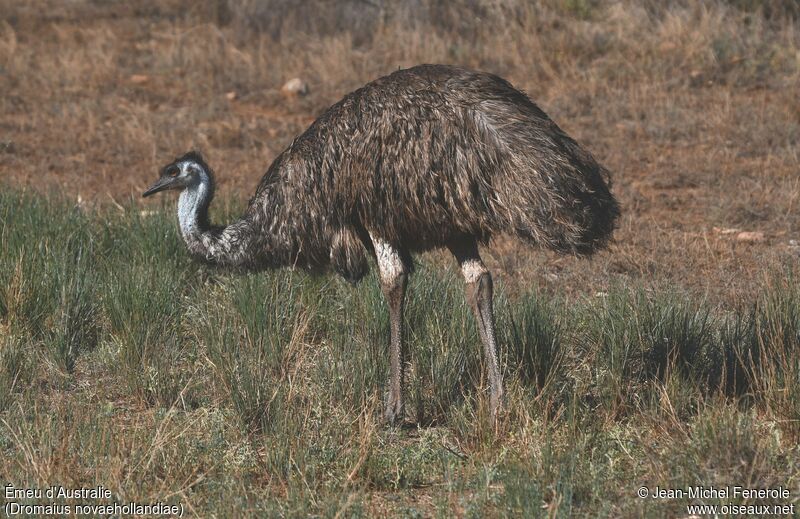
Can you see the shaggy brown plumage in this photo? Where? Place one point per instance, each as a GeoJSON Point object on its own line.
{"type": "Point", "coordinates": [431, 156]}
{"type": "Point", "coordinates": [421, 157]}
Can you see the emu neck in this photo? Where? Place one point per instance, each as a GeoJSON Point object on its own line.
{"type": "Point", "coordinates": [232, 245]}
{"type": "Point", "coordinates": [193, 209]}
{"type": "Point", "coordinates": [264, 237]}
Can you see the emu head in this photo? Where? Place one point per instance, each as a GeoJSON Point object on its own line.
{"type": "Point", "coordinates": [185, 172]}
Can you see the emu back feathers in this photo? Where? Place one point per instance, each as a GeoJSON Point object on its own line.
{"type": "Point", "coordinates": [425, 156]}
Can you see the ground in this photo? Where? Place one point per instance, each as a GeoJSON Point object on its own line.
{"type": "Point", "coordinates": [694, 109]}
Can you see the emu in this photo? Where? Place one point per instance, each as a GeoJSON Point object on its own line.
{"type": "Point", "coordinates": [428, 157]}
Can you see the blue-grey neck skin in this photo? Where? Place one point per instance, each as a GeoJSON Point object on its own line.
{"type": "Point", "coordinates": [193, 201]}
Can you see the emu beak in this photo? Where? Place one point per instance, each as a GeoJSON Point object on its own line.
{"type": "Point", "coordinates": [161, 184]}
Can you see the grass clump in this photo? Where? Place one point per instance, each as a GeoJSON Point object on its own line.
{"type": "Point", "coordinates": [253, 334]}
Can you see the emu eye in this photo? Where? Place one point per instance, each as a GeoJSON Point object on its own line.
{"type": "Point", "coordinates": [173, 171]}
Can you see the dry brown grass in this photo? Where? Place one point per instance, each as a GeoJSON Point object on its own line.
{"type": "Point", "coordinates": [694, 106]}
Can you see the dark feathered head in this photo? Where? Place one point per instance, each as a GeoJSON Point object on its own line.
{"type": "Point", "coordinates": [181, 173]}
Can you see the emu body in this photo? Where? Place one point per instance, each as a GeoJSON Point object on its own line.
{"type": "Point", "coordinates": [427, 157]}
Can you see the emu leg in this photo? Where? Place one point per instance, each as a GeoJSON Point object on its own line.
{"type": "Point", "coordinates": [479, 292]}
{"type": "Point", "coordinates": [394, 278]}
{"type": "Point", "coordinates": [395, 295]}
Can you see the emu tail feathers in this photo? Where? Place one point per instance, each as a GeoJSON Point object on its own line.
{"type": "Point", "coordinates": [563, 203]}
{"type": "Point", "coordinates": [548, 189]}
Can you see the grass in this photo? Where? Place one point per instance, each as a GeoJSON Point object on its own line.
{"type": "Point", "coordinates": [672, 360]}
{"type": "Point", "coordinates": [123, 363]}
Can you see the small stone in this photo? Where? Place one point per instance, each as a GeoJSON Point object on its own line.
{"type": "Point", "coordinates": [139, 78]}
{"type": "Point", "coordinates": [724, 230]}
{"type": "Point", "coordinates": [231, 96]}
{"type": "Point", "coordinates": [294, 87]}
{"type": "Point", "coordinates": [750, 236]}
{"type": "Point", "coordinates": [667, 46]}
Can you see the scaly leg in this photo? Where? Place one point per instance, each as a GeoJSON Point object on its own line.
{"type": "Point", "coordinates": [394, 277]}
{"type": "Point", "coordinates": [479, 296]}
